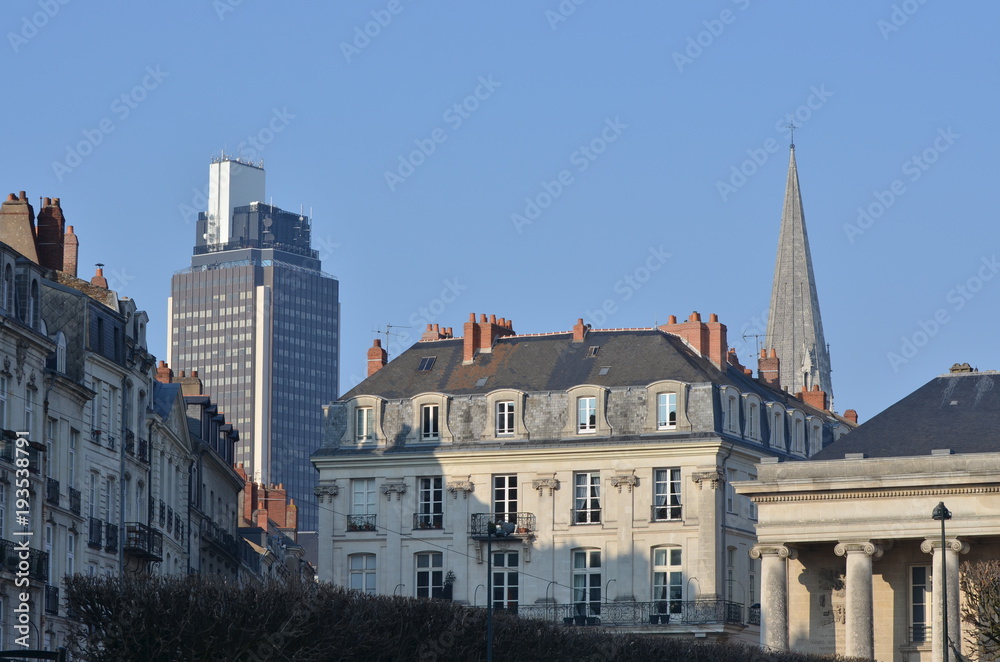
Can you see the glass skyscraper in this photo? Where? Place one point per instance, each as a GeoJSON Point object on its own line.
{"type": "Point", "coordinates": [259, 321]}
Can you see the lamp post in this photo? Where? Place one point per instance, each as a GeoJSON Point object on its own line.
{"type": "Point", "coordinates": [501, 531]}
{"type": "Point", "coordinates": [942, 513]}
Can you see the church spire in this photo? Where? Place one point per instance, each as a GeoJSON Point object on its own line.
{"type": "Point", "coordinates": [794, 326]}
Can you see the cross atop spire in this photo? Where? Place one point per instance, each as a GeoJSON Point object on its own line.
{"type": "Point", "coordinates": [794, 326]}
{"type": "Point", "coordinates": [791, 129]}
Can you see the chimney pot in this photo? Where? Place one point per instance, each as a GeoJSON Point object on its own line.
{"type": "Point", "coordinates": [22, 196]}
{"type": "Point", "coordinates": [482, 318]}
{"type": "Point", "coordinates": [672, 319]}
{"type": "Point", "coordinates": [713, 318]}
{"type": "Point", "coordinates": [851, 415]}
{"type": "Point", "coordinates": [493, 319]}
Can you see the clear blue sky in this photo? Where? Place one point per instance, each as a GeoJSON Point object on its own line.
{"type": "Point", "coordinates": [116, 107]}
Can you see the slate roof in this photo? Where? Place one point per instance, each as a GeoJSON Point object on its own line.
{"type": "Point", "coordinates": [553, 362]}
{"type": "Point", "coordinates": [959, 411]}
{"type": "Point", "coordinates": [164, 397]}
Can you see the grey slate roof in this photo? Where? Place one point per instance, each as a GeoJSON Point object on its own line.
{"type": "Point", "coordinates": [553, 362]}
{"type": "Point", "coordinates": [957, 411]}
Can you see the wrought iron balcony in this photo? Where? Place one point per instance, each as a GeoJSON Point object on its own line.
{"type": "Point", "coordinates": [111, 538]}
{"type": "Point", "coordinates": [524, 523]}
{"type": "Point", "coordinates": [361, 522]}
{"type": "Point", "coordinates": [7, 449]}
{"type": "Point", "coordinates": [665, 513]}
{"type": "Point", "coordinates": [38, 561]}
{"type": "Point", "coordinates": [178, 527]}
{"type": "Point", "coordinates": [52, 600]}
{"type": "Point", "coordinates": [660, 612]}
{"type": "Point", "coordinates": [96, 531]}
{"type": "Point", "coordinates": [143, 541]}
{"type": "Point", "coordinates": [428, 521]}
{"type": "Point", "coordinates": [143, 451]}
{"type": "Point", "coordinates": [111, 442]}
{"type": "Point", "coordinates": [215, 534]}
{"type": "Point", "coordinates": [129, 442]}
{"type": "Point", "coordinates": [52, 491]}
{"type": "Point", "coordinates": [753, 614]}
{"type": "Point", "coordinates": [74, 501]}
{"type": "Point", "coordinates": [95, 436]}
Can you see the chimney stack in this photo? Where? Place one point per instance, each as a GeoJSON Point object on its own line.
{"type": "Point", "coordinates": [377, 357]}
{"type": "Point", "coordinates": [708, 339]}
{"type": "Point", "coordinates": [814, 398]}
{"type": "Point", "coordinates": [768, 369]}
{"type": "Point", "coordinates": [99, 280]}
{"type": "Point", "coordinates": [164, 374]}
{"type": "Point", "coordinates": [71, 249]}
{"type": "Point", "coordinates": [17, 226]}
{"type": "Point", "coordinates": [50, 229]}
{"type": "Point", "coordinates": [851, 415]}
{"type": "Point", "coordinates": [580, 330]}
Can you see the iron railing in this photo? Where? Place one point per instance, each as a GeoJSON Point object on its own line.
{"type": "Point", "coordinates": [661, 612]}
{"type": "Point", "coordinates": [74, 501]}
{"type": "Point", "coordinates": [52, 600]}
{"type": "Point", "coordinates": [52, 491]}
{"type": "Point", "coordinates": [753, 615]}
{"type": "Point", "coordinates": [524, 523]}
{"type": "Point", "coordinates": [428, 521]}
{"type": "Point", "coordinates": [213, 533]}
{"type": "Point", "coordinates": [95, 536]}
{"type": "Point", "coordinates": [129, 442]}
{"type": "Point", "coordinates": [38, 561]}
{"type": "Point", "coordinates": [111, 538]}
{"type": "Point", "coordinates": [665, 513]}
{"type": "Point", "coordinates": [920, 633]}
{"type": "Point", "coordinates": [361, 522]}
{"type": "Point", "coordinates": [143, 450]}
{"type": "Point", "coordinates": [143, 541]}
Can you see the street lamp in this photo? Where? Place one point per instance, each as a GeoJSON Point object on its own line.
{"type": "Point", "coordinates": [502, 530]}
{"type": "Point", "coordinates": [942, 513]}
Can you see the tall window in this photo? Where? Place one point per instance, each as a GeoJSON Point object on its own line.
{"type": "Point", "coordinates": [587, 498]}
{"type": "Point", "coordinates": [731, 477]}
{"type": "Point", "coordinates": [751, 506]}
{"type": "Point", "coordinates": [752, 421]}
{"type": "Point", "coordinates": [430, 503]}
{"type": "Point", "coordinates": [8, 289]}
{"type": "Point", "coordinates": [730, 571]}
{"type": "Point", "coordinates": [48, 553]}
{"type": "Point", "coordinates": [586, 582]}
{"type": "Point", "coordinates": [429, 422]}
{"type": "Point", "coordinates": [505, 497]}
{"type": "Point", "coordinates": [362, 568]}
{"type": "Point", "coordinates": [505, 580]}
{"type": "Point", "coordinates": [799, 436]}
{"type": "Point", "coordinates": [430, 577]}
{"type": "Point", "coordinates": [3, 402]}
{"type": "Point", "coordinates": [668, 580]}
{"type": "Point", "coordinates": [50, 442]}
{"type": "Point", "coordinates": [364, 416]}
{"type": "Point", "coordinates": [74, 437]}
{"type": "Point", "coordinates": [29, 409]}
{"type": "Point", "coordinates": [586, 415]}
{"type": "Point", "coordinates": [110, 489]}
{"type": "Point", "coordinates": [666, 494]}
{"type": "Point", "coordinates": [94, 510]}
{"type": "Point", "coordinates": [3, 516]}
{"type": "Point", "coordinates": [363, 496]}
{"type": "Point", "coordinates": [920, 594]}
{"type": "Point", "coordinates": [732, 419]}
{"type": "Point", "coordinates": [666, 411]}
{"type": "Point", "coordinates": [505, 418]}
{"type": "Point", "coordinates": [778, 431]}
{"type": "Point", "coordinates": [70, 553]}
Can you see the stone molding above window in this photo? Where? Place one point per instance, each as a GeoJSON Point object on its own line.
{"type": "Point", "coordinates": [377, 405]}
{"type": "Point", "coordinates": [650, 425]}
{"type": "Point", "coordinates": [505, 395]}
{"type": "Point", "coordinates": [600, 394]}
{"type": "Point", "coordinates": [415, 435]}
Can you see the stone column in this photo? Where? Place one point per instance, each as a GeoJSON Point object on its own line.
{"type": "Point", "coordinates": [709, 506]}
{"type": "Point", "coordinates": [774, 594]}
{"type": "Point", "coordinates": [859, 610]}
{"type": "Point", "coordinates": [953, 548]}
{"type": "Point", "coordinates": [325, 492]}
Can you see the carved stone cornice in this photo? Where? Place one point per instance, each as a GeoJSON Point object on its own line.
{"type": "Point", "coordinates": [854, 546]}
{"type": "Point", "coordinates": [326, 492]}
{"type": "Point", "coordinates": [783, 551]}
{"type": "Point", "coordinates": [890, 494]}
{"type": "Point", "coordinates": [621, 480]}
{"type": "Point", "coordinates": [463, 486]}
{"type": "Point", "coordinates": [714, 478]}
{"type": "Point", "coordinates": [952, 544]}
{"type": "Point", "coordinates": [551, 484]}
{"type": "Point", "coordinates": [399, 487]}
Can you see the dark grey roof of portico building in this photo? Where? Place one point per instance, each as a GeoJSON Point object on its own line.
{"type": "Point", "coordinates": [958, 411]}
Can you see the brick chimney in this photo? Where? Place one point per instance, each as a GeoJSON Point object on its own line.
{"type": "Point", "coordinates": [164, 374]}
{"type": "Point", "coordinates": [51, 226]}
{"type": "Point", "coordinates": [814, 398]}
{"type": "Point", "coordinates": [767, 369]}
{"type": "Point", "coordinates": [481, 336]}
{"type": "Point", "coordinates": [99, 280]}
{"type": "Point", "coordinates": [190, 384]}
{"type": "Point", "coordinates": [708, 339]}
{"type": "Point", "coordinates": [17, 225]}
{"type": "Point", "coordinates": [71, 249]}
{"type": "Point", "coordinates": [435, 332]}
{"type": "Point", "coordinates": [851, 415]}
{"type": "Point", "coordinates": [580, 330]}
{"type": "Point", "coordinates": [377, 357]}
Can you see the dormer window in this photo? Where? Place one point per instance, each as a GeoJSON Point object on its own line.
{"type": "Point", "coordinates": [429, 430]}
{"type": "Point", "coordinates": [364, 417]}
{"type": "Point", "coordinates": [586, 415]}
{"type": "Point", "coordinates": [666, 411]}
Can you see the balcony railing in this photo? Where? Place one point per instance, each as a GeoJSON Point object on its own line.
{"type": "Point", "coordinates": [920, 634]}
{"type": "Point", "coordinates": [95, 536]}
{"type": "Point", "coordinates": [95, 436]}
{"type": "Point", "coordinates": [143, 541]}
{"type": "Point", "coordinates": [111, 442]}
{"type": "Point", "coordinates": [361, 522]}
{"type": "Point", "coordinates": [665, 513]}
{"type": "Point", "coordinates": [753, 615]}
{"type": "Point", "coordinates": [74, 501]}
{"type": "Point", "coordinates": [7, 449]}
{"type": "Point", "coordinates": [38, 561]}
{"type": "Point", "coordinates": [129, 442]}
{"type": "Point", "coordinates": [428, 521]}
{"type": "Point", "coordinates": [693, 612]}
{"type": "Point", "coordinates": [143, 450]}
{"type": "Point", "coordinates": [52, 600]}
{"type": "Point", "coordinates": [524, 523]}
{"type": "Point", "coordinates": [178, 527]}
{"type": "Point", "coordinates": [52, 491]}
{"type": "Point", "coordinates": [215, 534]}
{"type": "Point", "coordinates": [111, 538]}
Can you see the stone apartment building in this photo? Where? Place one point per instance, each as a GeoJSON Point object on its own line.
{"type": "Point", "coordinates": [611, 454]}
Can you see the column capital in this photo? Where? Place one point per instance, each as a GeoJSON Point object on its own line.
{"type": "Point", "coordinates": [782, 551]}
{"type": "Point", "coordinates": [929, 545]}
{"type": "Point", "coordinates": [714, 478]}
{"type": "Point", "coordinates": [856, 546]}
{"type": "Point", "coordinates": [326, 492]}
{"type": "Point", "coordinates": [550, 484]}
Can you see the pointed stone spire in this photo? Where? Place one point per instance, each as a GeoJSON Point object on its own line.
{"type": "Point", "coordinates": [794, 325]}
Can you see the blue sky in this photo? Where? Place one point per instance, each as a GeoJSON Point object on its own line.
{"type": "Point", "coordinates": [422, 135]}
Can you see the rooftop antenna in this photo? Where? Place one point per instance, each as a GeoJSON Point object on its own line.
{"type": "Point", "coordinates": [791, 127]}
{"type": "Point", "coordinates": [388, 332]}
{"type": "Point", "coordinates": [756, 336]}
